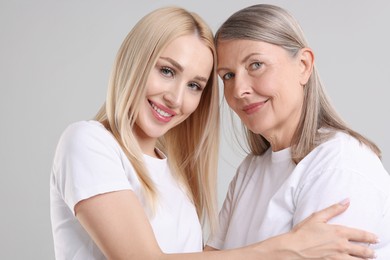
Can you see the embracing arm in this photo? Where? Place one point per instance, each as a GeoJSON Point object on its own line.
{"type": "Point", "coordinates": [314, 239]}
{"type": "Point", "coordinates": [117, 223]}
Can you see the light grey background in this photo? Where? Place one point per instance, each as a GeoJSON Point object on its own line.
{"type": "Point", "coordinates": [55, 59]}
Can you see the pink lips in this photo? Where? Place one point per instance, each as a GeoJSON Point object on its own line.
{"type": "Point", "coordinates": [252, 108]}
{"type": "Point", "coordinates": [161, 113]}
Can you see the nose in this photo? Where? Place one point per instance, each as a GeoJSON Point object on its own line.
{"type": "Point", "coordinates": [241, 85]}
{"type": "Point", "coordinates": [174, 96]}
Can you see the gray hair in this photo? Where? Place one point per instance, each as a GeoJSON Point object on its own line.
{"type": "Point", "coordinates": [274, 25]}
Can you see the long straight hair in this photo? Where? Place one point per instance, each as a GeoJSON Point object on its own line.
{"type": "Point", "coordinates": [274, 25]}
{"type": "Point", "coordinates": [192, 146]}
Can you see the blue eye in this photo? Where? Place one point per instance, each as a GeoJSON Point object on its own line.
{"type": "Point", "coordinates": [255, 65]}
{"type": "Point", "coordinates": [168, 72]}
{"type": "Point", "coordinates": [195, 86]}
{"type": "Point", "coordinates": [227, 76]}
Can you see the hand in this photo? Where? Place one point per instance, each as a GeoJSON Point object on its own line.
{"type": "Point", "coordinates": [314, 239]}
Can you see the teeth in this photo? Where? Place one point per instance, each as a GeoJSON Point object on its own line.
{"type": "Point", "coordinates": [161, 112]}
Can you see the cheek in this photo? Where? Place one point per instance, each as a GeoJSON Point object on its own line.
{"type": "Point", "coordinates": [228, 95]}
{"type": "Point", "coordinates": [291, 101]}
{"type": "Point", "coordinates": [191, 104]}
{"type": "Point", "coordinates": [231, 101]}
{"type": "Point", "coordinates": [154, 84]}
{"type": "Point", "coordinates": [266, 84]}
{"type": "Point", "coordinates": [149, 87]}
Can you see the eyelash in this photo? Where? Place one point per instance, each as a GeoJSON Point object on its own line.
{"type": "Point", "coordinates": [258, 65]}
{"type": "Point", "coordinates": [229, 74]}
{"type": "Point", "coordinates": [196, 85]}
{"type": "Point", "coordinates": [192, 85]}
{"type": "Point", "coordinates": [164, 71]}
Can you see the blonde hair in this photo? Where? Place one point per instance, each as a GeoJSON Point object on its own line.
{"type": "Point", "coordinates": [192, 146]}
{"type": "Point", "coordinates": [274, 25]}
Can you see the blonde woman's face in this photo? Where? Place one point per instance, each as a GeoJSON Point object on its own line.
{"type": "Point", "coordinates": [262, 84]}
{"type": "Point", "coordinates": [174, 86]}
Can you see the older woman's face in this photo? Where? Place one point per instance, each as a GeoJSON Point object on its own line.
{"type": "Point", "coordinates": [263, 84]}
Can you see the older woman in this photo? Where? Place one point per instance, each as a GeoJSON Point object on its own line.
{"type": "Point", "coordinates": [303, 156]}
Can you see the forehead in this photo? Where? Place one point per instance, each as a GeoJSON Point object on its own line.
{"type": "Point", "coordinates": [185, 43]}
{"type": "Point", "coordinates": [191, 53]}
{"type": "Point", "coordinates": [239, 49]}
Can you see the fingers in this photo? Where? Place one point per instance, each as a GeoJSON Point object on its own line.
{"type": "Point", "coordinates": [361, 252]}
{"type": "Point", "coordinates": [351, 234]}
{"type": "Point", "coordinates": [356, 235]}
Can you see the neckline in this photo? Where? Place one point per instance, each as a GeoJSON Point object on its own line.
{"type": "Point", "coordinates": [281, 155]}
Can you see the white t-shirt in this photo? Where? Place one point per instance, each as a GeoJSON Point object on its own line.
{"type": "Point", "coordinates": [88, 162]}
{"type": "Point", "coordinates": [270, 194]}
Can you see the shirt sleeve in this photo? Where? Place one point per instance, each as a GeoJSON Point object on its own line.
{"type": "Point", "coordinates": [88, 162]}
{"type": "Point", "coordinates": [369, 209]}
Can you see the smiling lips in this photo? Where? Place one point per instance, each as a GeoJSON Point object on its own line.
{"type": "Point", "coordinates": [252, 108]}
{"type": "Point", "coordinates": [162, 114]}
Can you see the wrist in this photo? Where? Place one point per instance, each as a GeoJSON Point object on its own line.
{"type": "Point", "coordinates": [280, 248]}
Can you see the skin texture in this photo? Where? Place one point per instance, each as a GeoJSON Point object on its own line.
{"type": "Point", "coordinates": [175, 86]}
{"type": "Point", "coordinates": [264, 85]}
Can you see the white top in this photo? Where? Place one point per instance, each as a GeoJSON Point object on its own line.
{"type": "Point", "coordinates": [270, 194]}
{"type": "Point", "coordinates": [89, 161]}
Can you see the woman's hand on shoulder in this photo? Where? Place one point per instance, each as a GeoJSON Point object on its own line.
{"type": "Point", "coordinates": [313, 238]}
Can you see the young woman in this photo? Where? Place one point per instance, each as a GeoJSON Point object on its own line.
{"type": "Point", "coordinates": [135, 182]}
{"type": "Point", "coordinates": [303, 156]}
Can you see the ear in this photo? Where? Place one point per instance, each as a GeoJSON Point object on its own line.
{"type": "Point", "coordinates": [306, 64]}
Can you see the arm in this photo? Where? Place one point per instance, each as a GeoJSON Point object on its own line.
{"type": "Point", "coordinates": [117, 223]}
{"type": "Point", "coordinates": [303, 242]}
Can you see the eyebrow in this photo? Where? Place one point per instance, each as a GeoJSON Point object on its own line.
{"type": "Point", "coordinates": [201, 79]}
{"type": "Point", "coordinates": [181, 69]}
{"type": "Point", "coordinates": [174, 63]}
{"type": "Point", "coordinates": [245, 59]}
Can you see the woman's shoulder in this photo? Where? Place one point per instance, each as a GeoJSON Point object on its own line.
{"type": "Point", "coordinates": [84, 127]}
{"type": "Point", "coordinates": [343, 157]}
{"type": "Point", "coordinates": [82, 130]}
{"type": "Point", "coordinates": [342, 143]}
{"type": "Point", "coordinates": [342, 150]}
{"type": "Point", "coordinates": [85, 134]}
